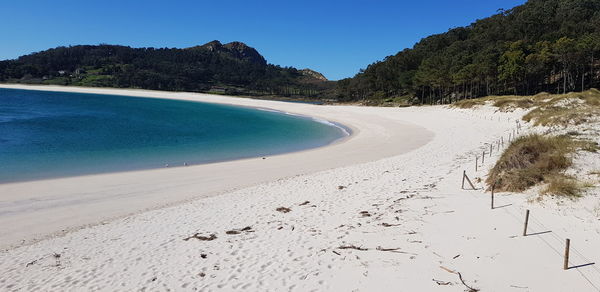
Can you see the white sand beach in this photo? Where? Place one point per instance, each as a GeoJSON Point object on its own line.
{"type": "Point", "coordinates": [382, 210]}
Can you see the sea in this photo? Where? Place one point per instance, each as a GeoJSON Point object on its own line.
{"type": "Point", "coordinates": [45, 134]}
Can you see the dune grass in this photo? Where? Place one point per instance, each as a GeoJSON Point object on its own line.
{"type": "Point", "coordinates": [535, 159]}
{"type": "Point", "coordinates": [504, 102]}
{"type": "Point", "coordinates": [563, 185]}
{"type": "Point", "coordinates": [573, 108]}
{"type": "Point", "coordinates": [469, 103]}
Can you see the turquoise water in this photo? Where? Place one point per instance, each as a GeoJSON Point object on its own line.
{"type": "Point", "coordinates": [54, 134]}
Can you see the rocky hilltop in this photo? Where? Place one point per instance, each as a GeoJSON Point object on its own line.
{"type": "Point", "coordinates": [233, 68]}
{"type": "Point", "coordinates": [237, 50]}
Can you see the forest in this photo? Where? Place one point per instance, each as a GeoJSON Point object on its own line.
{"type": "Point", "coordinates": [541, 46]}
{"type": "Point", "coordinates": [232, 68]}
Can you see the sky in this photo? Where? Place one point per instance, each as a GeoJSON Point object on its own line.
{"type": "Point", "coordinates": [336, 38]}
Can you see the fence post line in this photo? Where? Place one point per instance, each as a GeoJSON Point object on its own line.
{"type": "Point", "coordinates": [476, 162]}
{"type": "Point", "coordinates": [526, 222]}
{"type": "Point", "coordinates": [463, 179]}
{"type": "Point", "coordinates": [491, 148]}
{"type": "Point", "coordinates": [483, 158]}
{"type": "Point", "coordinates": [566, 262]}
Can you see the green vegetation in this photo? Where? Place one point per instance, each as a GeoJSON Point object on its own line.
{"type": "Point", "coordinates": [232, 68]}
{"type": "Point", "coordinates": [540, 46]}
{"type": "Point", "coordinates": [573, 108]}
{"type": "Point", "coordinates": [566, 109]}
{"type": "Point", "coordinates": [505, 102]}
{"type": "Point", "coordinates": [535, 159]}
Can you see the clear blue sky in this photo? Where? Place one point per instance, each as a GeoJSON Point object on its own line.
{"type": "Point", "coordinates": [336, 38]}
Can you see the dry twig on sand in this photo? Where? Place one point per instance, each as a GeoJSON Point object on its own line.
{"type": "Point", "coordinates": [442, 283]}
{"type": "Point", "coordinates": [352, 247]}
{"type": "Point", "coordinates": [238, 231]}
{"type": "Point", "coordinates": [389, 225]}
{"type": "Point", "coordinates": [200, 237]}
{"type": "Point", "coordinates": [396, 250]}
{"type": "Point", "coordinates": [470, 289]}
{"type": "Point", "coordinates": [283, 209]}
{"type": "Point", "coordinates": [365, 213]}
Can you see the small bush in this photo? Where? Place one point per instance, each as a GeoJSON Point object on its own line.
{"type": "Point", "coordinates": [468, 103]}
{"type": "Point", "coordinates": [562, 185]}
{"type": "Point", "coordinates": [509, 103]}
{"type": "Point", "coordinates": [530, 160]}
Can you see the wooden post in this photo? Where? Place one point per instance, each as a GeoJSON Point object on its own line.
{"type": "Point", "coordinates": [463, 180]}
{"type": "Point", "coordinates": [566, 263]}
{"type": "Point", "coordinates": [491, 148]}
{"type": "Point", "coordinates": [493, 188]}
{"type": "Point", "coordinates": [526, 222]}
{"type": "Point", "coordinates": [469, 181]}
{"type": "Point", "coordinates": [483, 158]}
{"type": "Point", "coordinates": [502, 140]}
{"type": "Point", "coordinates": [476, 162]}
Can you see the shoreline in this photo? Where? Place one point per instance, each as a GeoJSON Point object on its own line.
{"type": "Point", "coordinates": [345, 133]}
{"type": "Point", "coordinates": [401, 221]}
{"type": "Point", "coordinates": [35, 210]}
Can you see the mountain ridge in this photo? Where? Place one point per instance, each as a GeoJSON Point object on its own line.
{"type": "Point", "coordinates": [232, 68]}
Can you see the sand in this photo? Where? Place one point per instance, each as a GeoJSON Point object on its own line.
{"type": "Point", "coordinates": [381, 211]}
{"type": "Point", "coordinates": [32, 210]}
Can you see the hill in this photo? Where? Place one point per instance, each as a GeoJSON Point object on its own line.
{"type": "Point", "coordinates": [232, 68]}
{"type": "Point", "coordinates": [542, 45]}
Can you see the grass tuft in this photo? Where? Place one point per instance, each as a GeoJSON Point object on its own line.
{"type": "Point", "coordinates": [469, 103]}
{"type": "Point", "coordinates": [531, 160]}
{"type": "Point", "coordinates": [562, 185]}
{"type": "Point", "coordinates": [573, 108]}
{"type": "Point", "coordinates": [508, 103]}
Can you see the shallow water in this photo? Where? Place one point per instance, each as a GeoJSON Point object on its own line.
{"type": "Point", "coordinates": [54, 134]}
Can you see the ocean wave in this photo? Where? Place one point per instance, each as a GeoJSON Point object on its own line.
{"type": "Point", "coordinates": [345, 130]}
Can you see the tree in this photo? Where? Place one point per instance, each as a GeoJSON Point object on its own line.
{"type": "Point", "coordinates": [512, 64]}
{"type": "Point", "coordinates": [564, 48]}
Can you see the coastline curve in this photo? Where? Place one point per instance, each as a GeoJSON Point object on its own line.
{"type": "Point", "coordinates": [34, 210]}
